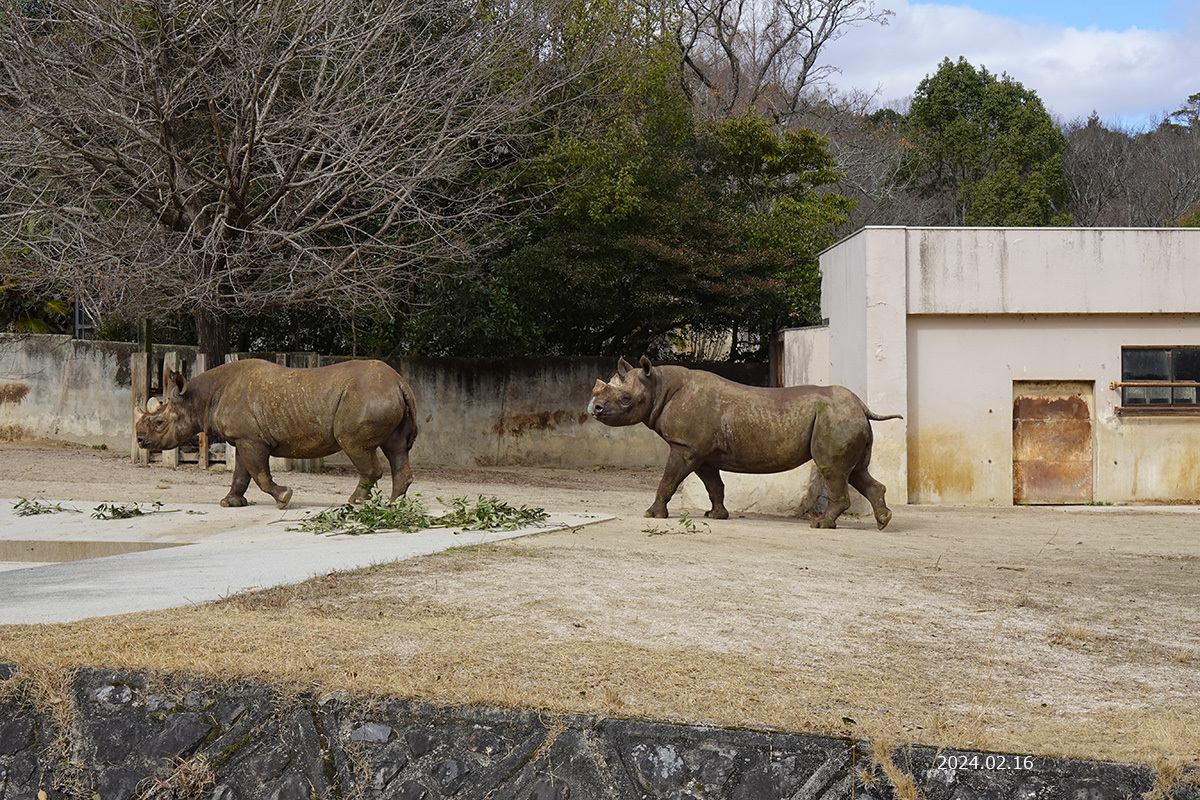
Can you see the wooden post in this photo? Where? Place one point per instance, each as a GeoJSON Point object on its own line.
{"type": "Point", "coordinates": [230, 450]}
{"type": "Point", "coordinates": [282, 464]}
{"type": "Point", "coordinates": [307, 360]}
{"type": "Point", "coordinates": [139, 373]}
{"type": "Point", "coordinates": [202, 459]}
{"type": "Point", "coordinates": [170, 458]}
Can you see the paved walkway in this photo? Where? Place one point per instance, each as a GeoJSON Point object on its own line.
{"type": "Point", "coordinates": [69, 566]}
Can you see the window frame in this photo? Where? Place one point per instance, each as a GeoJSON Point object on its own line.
{"type": "Point", "coordinates": [1170, 408]}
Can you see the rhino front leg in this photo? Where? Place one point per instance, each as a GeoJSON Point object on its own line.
{"type": "Point", "coordinates": [679, 465]}
{"type": "Point", "coordinates": [716, 490]}
{"type": "Point", "coordinates": [241, 480]}
{"type": "Point", "coordinates": [257, 462]}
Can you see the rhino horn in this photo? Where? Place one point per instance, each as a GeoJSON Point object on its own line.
{"type": "Point", "coordinates": [599, 386]}
{"type": "Point", "coordinates": [152, 405]}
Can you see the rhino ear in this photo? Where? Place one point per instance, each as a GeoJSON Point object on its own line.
{"type": "Point", "coordinates": [646, 366]}
{"type": "Point", "coordinates": [179, 381]}
{"type": "Point", "coordinates": [623, 368]}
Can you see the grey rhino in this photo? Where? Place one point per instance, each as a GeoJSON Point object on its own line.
{"type": "Point", "coordinates": [714, 424]}
{"type": "Point", "coordinates": [264, 409]}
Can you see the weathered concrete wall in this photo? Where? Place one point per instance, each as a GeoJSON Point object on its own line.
{"type": "Point", "coordinates": [960, 425]}
{"type": "Point", "coordinates": [940, 323]}
{"type": "Point", "coordinates": [56, 387]}
{"type": "Point", "coordinates": [126, 735]}
{"type": "Point", "coordinates": [1048, 270]}
{"type": "Point", "coordinates": [477, 412]}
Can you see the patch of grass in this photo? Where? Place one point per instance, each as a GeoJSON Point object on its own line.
{"type": "Point", "coordinates": [408, 515]}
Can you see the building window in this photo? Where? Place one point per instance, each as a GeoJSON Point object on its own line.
{"type": "Point", "coordinates": [1160, 379]}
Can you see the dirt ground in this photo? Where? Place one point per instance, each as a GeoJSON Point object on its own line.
{"type": "Point", "coordinates": [1049, 631]}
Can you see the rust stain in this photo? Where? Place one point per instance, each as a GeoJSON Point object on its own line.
{"type": "Point", "coordinates": [940, 468]}
{"type": "Point", "coordinates": [12, 433]}
{"type": "Point", "coordinates": [13, 392]}
{"type": "Point", "coordinates": [520, 424]}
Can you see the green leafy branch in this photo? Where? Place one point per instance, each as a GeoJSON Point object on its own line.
{"type": "Point", "coordinates": [408, 515]}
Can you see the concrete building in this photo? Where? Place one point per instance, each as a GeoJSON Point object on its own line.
{"type": "Point", "coordinates": [1033, 365]}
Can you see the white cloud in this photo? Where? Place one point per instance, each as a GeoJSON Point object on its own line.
{"type": "Point", "coordinates": [1129, 77]}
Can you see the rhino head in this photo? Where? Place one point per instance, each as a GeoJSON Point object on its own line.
{"type": "Point", "coordinates": [167, 423]}
{"type": "Point", "coordinates": [627, 398]}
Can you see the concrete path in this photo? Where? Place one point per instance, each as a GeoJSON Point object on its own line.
{"type": "Point", "coordinates": [69, 566]}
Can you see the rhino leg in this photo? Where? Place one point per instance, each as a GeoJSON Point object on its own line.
{"type": "Point", "coordinates": [871, 489]}
{"type": "Point", "coordinates": [256, 460]}
{"type": "Point", "coordinates": [716, 490]}
{"type": "Point", "coordinates": [680, 464]}
{"type": "Point", "coordinates": [369, 472]}
{"type": "Point", "coordinates": [839, 497]}
{"type": "Point", "coordinates": [396, 448]}
{"type": "Point", "coordinates": [241, 481]}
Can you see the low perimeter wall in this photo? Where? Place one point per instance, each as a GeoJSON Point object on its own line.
{"type": "Point", "coordinates": [118, 736]}
{"type": "Point", "coordinates": [472, 412]}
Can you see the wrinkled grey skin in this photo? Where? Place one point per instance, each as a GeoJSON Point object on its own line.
{"type": "Point", "coordinates": [266, 410]}
{"type": "Point", "coordinates": [714, 424]}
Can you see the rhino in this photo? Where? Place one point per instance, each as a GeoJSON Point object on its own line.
{"type": "Point", "coordinates": [264, 409]}
{"type": "Point", "coordinates": [714, 424]}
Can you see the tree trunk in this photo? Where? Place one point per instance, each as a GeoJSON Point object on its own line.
{"type": "Point", "coordinates": [212, 332]}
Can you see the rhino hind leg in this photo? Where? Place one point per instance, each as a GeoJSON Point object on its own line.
{"type": "Point", "coordinates": [369, 472]}
{"type": "Point", "coordinates": [395, 449]}
{"type": "Point", "coordinates": [711, 476]}
{"type": "Point", "coordinates": [873, 490]}
{"type": "Point", "coordinates": [839, 499]}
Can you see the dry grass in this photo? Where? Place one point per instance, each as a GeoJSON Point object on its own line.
{"type": "Point", "coordinates": [1021, 630]}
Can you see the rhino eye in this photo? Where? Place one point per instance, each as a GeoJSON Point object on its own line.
{"type": "Point", "coordinates": [626, 398]}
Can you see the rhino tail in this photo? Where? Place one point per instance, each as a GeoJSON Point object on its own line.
{"type": "Point", "coordinates": [410, 403]}
{"type": "Point", "coordinates": [878, 418]}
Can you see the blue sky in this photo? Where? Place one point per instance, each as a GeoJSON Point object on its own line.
{"type": "Point", "coordinates": [1131, 61]}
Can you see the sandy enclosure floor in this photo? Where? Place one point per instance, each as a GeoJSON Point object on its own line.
{"type": "Point", "coordinates": [1040, 630]}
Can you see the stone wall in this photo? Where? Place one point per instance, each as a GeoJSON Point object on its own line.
{"type": "Point", "coordinates": [118, 736]}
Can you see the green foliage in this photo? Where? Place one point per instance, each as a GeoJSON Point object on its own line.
{"type": "Point", "coordinates": [124, 510]}
{"type": "Point", "coordinates": [32, 508]}
{"type": "Point", "coordinates": [21, 313]}
{"type": "Point", "coordinates": [408, 515]}
{"type": "Point", "coordinates": [656, 225]}
{"type": "Point", "coordinates": [987, 144]}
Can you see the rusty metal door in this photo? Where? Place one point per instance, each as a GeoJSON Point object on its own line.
{"type": "Point", "coordinates": [1052, 442]}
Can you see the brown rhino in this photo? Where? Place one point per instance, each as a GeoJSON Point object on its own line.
{"type": "Point", "coordinates": [265, 410]}
{"type": "Point", "coordinates": [714, 424]}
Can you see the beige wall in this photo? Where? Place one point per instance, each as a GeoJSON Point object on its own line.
{"type": "Point", "coordinates": [938, 324]}
{"type": "Point", "coordinates": [960, 427]}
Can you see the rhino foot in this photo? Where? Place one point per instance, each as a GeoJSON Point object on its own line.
{"type": "Point", "coordinates": [233, 501]}
{"type": "Point", "coordinates": [284, 497]}
{"type": "Point", "coordinates": [824, 522]}
{"type": "Point", "coordinates": [717, 513]}
{"type": "Point", "coordinates": [656, 513]}
{"type": "Point", "coordinates": [883, 518]}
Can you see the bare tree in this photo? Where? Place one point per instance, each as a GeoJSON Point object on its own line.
{"type": "Point", "coordinates": [743, 54]}
{"type": "Point", "coordinates": [231, 156]}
